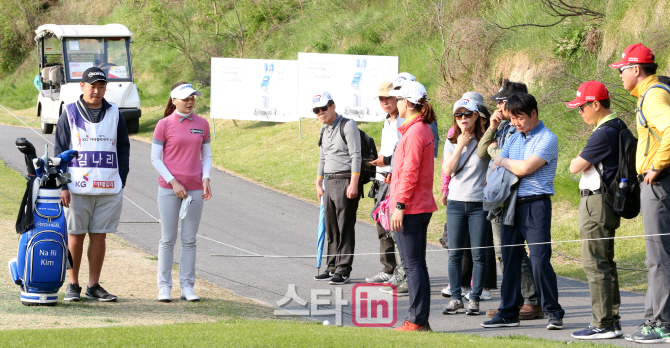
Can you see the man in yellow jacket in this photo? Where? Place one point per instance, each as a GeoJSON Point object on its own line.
{"type": "Point", "coordinates": [638, 74]}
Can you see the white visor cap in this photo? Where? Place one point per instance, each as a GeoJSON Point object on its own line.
{"type": "Point", "coordinates": [412, 91]}
{"type": "Point", "coordinates": [184, 91]}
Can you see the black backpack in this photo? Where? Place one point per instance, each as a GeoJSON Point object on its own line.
{"type": "Point", "coordinates": [626, 170]}
{"type": "Point", "coordinates": [368, 153]}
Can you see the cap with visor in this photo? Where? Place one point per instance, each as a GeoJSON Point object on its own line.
{"type": "Point", "coordinates": [184, 91]}
{"type": "Point", "coordinates": [402, 78]}
{"type": "Point", "coordinates": [321, 100]}
{"type": "Point", "coordinates": [634, 54]}
{"type": "Point", "coordinates": [383, 89]}
{"type": "Point", "coordinates": [588, 92]}
{"type": "Point", "coordinates": [469, 104]}
{"type": "Point", "coordinates": [412, 91]}
{"type": "Point", "coordinates": [92, 75]}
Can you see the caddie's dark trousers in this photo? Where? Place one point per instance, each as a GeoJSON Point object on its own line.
{"type": "Point", "coordinates": [386, 244]}
{"type": "Point", "coordinates": [340, 219]}
{"type": "Point", "coordinates": [532, 223]}
{"type": "Point", "coordinates": [411, 243]}
{"type": "Point", "coordinates": [656, 217]}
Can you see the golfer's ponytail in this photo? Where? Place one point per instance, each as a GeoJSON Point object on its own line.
{"type": "Point", "coordinates": [169, 109]}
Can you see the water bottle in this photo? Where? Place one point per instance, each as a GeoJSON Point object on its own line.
{"type": "Point", "coordinates": [620, 197]}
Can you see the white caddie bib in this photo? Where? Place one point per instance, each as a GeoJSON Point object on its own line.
{"type": "Point", "coordinates": [96, 170]}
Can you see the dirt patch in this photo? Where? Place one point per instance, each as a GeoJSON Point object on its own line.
{"type": "Point", "coordinates": [130, 274]}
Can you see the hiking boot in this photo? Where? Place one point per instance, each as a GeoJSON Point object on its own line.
{"type": "Point", "coordinates": [381, 277]}
{"type": "Point", "coordinates": [472, 308]}
{"type": "Point", "coordinates": [96, 292]}
{"type": "Point", "coordinates": [642, 330]}
{"type": "Point", "coordinates": [530, 312]}
{"type": "Point", "coordinates": [497, 321]}
{"type": "Point", "coordinates": [72, 293]}
{"type": "Point", "coordinates": [617, 329]}
{"type": "Point", "coordinates": [659, 334]}
{"type": "Point", "coordinates": [326, 276]}
{"type": "Point", "coordinates": [594, 333]}
{"type": "Point", "coordinates": [339, 279]}
{"type": "Point", "coordinates": [407, 326]}
{"type": "Point", "coordinates": [491, 313]}
{"type": "Point", "coordinates": [555, 324]}
{"type": "Point", "coordinates": [164, 294]}
{"type": "Point", "coordinates": [189, 295]}
{"type": "Point", "coordinates": [454, 307]}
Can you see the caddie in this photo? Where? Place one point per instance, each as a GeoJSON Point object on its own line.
{"type": "Point", "coordinates": [94, 198]}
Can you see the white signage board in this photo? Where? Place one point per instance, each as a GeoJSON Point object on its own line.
{"type": "Point", "coordinates": [254, 89]}
{"type": "Point", "coordinates": [352, 81]}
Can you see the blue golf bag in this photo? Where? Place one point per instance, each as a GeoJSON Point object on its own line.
{"type": "Point", "coordinates": [43, 258]}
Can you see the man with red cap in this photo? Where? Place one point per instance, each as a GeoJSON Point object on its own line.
{"type": "Point", "coordinates": [638, 74]}
{"type": "Point", "coordinates": [597, 218]}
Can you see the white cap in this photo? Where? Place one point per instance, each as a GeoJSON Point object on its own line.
{"type": "Point", "coordinates": [322, 99]}
{"type": "Point", "coordinates": [467, 103]}
{"type": "Point", "coordinates": [478, 98]}
{"type": "Point", "coordinates": [184, 91]}
{"type": "Point", "coordinates": [412, 91]}
{"type": "Point", "coordinates": [403, 77]}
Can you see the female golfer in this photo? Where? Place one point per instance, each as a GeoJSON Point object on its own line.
{"type": "Point", "coordinates": [181, 154]}
{"type": "Point", "coordinates": [412, 199]}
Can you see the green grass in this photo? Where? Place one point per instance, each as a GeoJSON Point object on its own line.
{"type": "Point", "coordinates": [256, 333]}
{"type": "Point", "coordinates": [11, 191]}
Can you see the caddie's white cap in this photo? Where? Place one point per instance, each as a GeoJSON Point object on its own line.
{"type": "Point", "coordinates": [184, 91]}
{"type": "Point", "coordinates": [478, 98]}
{"type": "Point", "coordinates": [403, 77]}
{"type": "Point", "coordinates": [322, 99]}
{"type": "Point", "coordinates": [467, 103]}
{"type": "Point", "coordinates": [412, 91]}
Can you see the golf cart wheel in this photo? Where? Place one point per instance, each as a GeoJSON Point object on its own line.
{"type": "Point", "coordinates": [133, 126]}
{"type": "Point", "coordinates": [47, 128]}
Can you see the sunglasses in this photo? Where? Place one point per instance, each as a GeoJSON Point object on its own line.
{"type": "Point", "coordinates": [501, 101]}
{"type": "Point", "coordinates": [467, 114]}
{"type": "Point", "coordinates": [316, 110]}
{"type": "Point", "coordinates": [581, 107]}
{"type": "Point", "coordinates": [621, 69]}
{"type": "Point", "coordinates": [399, 98]}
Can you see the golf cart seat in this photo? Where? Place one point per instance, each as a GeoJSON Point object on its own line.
{"type": "Point", "coordinates": [45, 75]}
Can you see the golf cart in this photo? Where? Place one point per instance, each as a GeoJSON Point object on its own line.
{"type": "Point", "coordinates": [64, 52]}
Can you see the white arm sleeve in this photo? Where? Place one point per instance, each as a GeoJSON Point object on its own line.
{"type": "Point", "coordinates": [157, 162]}
{"type": "Point", "coordinates": [206, 159]}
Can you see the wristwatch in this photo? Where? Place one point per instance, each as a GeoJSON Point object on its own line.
{"type": "Point", "coordinates": [400, 206]}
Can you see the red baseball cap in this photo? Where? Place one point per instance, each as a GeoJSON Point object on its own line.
{"type": "Point", "coordinates": [589, 91]}
{"type": "Point", "coordinates": [634, 54]}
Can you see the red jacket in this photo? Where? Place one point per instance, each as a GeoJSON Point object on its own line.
{"type": "Point", "coordinates": [414, 168]}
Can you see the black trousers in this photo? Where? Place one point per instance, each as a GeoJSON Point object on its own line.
{"type": "Point", "coordinates": [340, 219]}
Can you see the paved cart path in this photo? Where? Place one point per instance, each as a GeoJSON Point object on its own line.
{"type": "Point", "coordinates": [243, 218]}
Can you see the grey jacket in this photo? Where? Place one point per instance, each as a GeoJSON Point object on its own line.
{"type": "Point", "coordinates": [500, 195]}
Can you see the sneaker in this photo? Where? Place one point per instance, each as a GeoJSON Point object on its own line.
{"type": "Point", "coordinates": [454, 307]}
{"type": "Point", "coordinates": [407, 326]}
{"type": "Point", "coordinates": [72, 292]}
{"type": "Point", "coordinates": [530, 312]}
{"type": "Point", "coordinates": [401, 290]}
{"type": "Point", "coordinates": [659, 334]}
{"type": "Point", "coordinates": [642, 330]}
{"type": "Point", "coordinates": [326, 275]}
{"type": "Point", "coordinates": [446, 292]}
{"type": "Point", "coordinates": [338, 279]}
{"type": "Point", "coordinates": [555, 324]}
{"type": "Point", "coordinates": [98, 293]}
{"type": "Point", "coordinates": [497, 321]}
{"type": "Point", "coordinates": [391, 280]}
{"type": "Point", "coordinates": [472, 308]}
{"type": "Point", "coordinates": [485, 296]}
{"type": "Point", "coordinates": [381, 277]}
{"type": "Point", "coordinates": [617, 329]}
{"type": "Point", "coordinates": [593, 333]}
{"type": "Point", "coordinates": [164, 294]}
{"type": "Point", "coordinates": [189, 295]}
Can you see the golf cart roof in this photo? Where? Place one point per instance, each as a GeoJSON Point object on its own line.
{"type": "Point", "coordinates": [64, 31]}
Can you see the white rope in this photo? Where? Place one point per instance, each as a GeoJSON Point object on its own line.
{"type": "Point", "coordinates": [52, 144]}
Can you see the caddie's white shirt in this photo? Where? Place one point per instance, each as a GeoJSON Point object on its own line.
{"type": "Point", "coordinates": [96, 170]}
{"type": "Point", "coordinates": [389, 141]}
{"type": "Point", "coordinates": [590, 179]}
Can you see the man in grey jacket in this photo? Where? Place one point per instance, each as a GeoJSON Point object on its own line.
{"type": "Point", "coordinates": [340, 165]}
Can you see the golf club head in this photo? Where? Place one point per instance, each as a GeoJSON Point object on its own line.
{"type": "Point", "coordinates": [38, 167]}
{"type": "Point", "coordinates": [28, 150]}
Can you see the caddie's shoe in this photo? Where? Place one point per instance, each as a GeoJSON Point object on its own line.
{"type": "Point", "coordinates": [407, 326]}
{"type": "Point", "coordinates": [485, 296]}
{"type": "Point", "coordinates": [472, 308]}
{"type": "Point", "coordinates": [530, 312]}
{"type": "Point", "coordinates": [72, 292]}
{"type": "Point", "coordinates": [642, 330]}
{"type": "Point", "coordinates": [164, 294]}
{"type": "Point", "coordinates": [594, 333]}
{"type": "Point", "coordinates": [381, 277]}
{"type": "Point", "coordinates": [339, 279]}
{"type": "Point", "coordinates": [454, 306]}
{"type": "Point", "coordinates": [326, 276]}
{"type": "Point", "coordinates": [189, 295]}
{"type": "Point", "coordinates": [617, 328]}
{"type": "Point", "coordinates": [497, 321]}
{"type": "Point", "coordinates": [555, 324]}
{"type": "Point", "coordinates": [96, 292]}
{"type": "Point", "coordinates": [659, 334]}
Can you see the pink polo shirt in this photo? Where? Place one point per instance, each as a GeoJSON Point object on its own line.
{"type": "Point", "coordinates": [182, 149]}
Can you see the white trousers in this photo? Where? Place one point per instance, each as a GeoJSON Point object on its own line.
{"type": "Point", "coordinates": [168, 206]}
